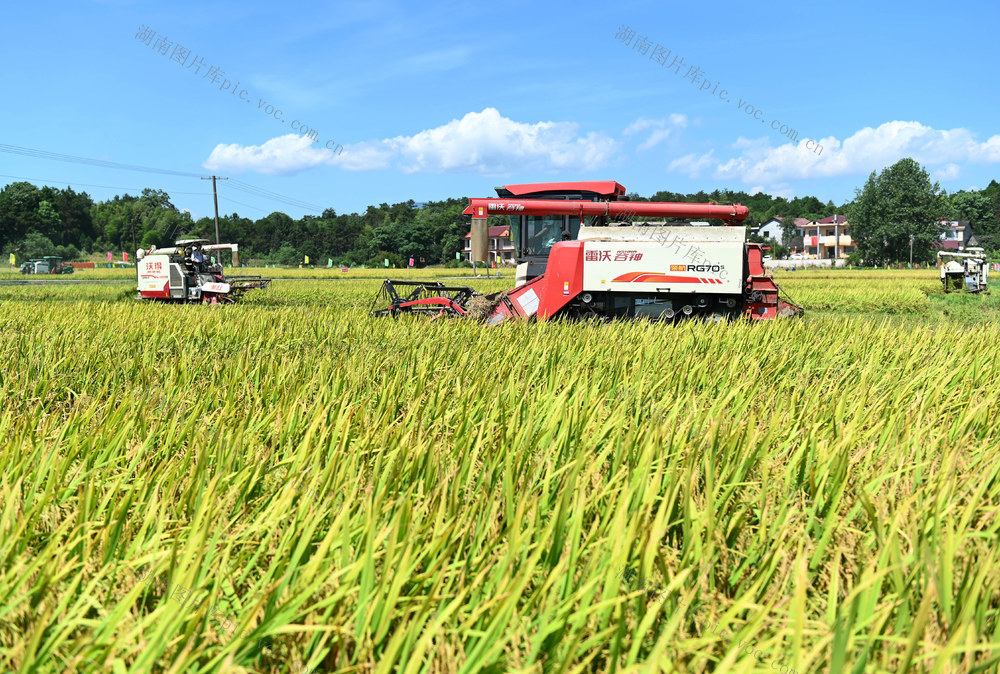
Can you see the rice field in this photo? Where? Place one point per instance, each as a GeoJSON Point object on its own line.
{"type": "Point", "coordinates": [128, 274]}
{"type": "Point", "coordinates": [290, 485]}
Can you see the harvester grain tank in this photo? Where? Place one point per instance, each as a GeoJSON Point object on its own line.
{"type": "Point", "coordinates": [579, 254]}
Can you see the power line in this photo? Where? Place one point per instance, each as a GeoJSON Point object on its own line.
{"type": "Point", "coordinates": [251, 189]}
{"type": "Point", "coordinates": [235, 184]}
{"type": "Point", "coordinates": [247, 205]}
{"type": "Point", "coordinates": [287, 201]}
{"type": "Point", "coordinates": [70, 183]}
{"type": "Point", "coordinates": [72, 159]}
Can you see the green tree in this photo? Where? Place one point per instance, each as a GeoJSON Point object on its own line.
{"type": "Point", "coordinates": [893, 207]}
{"type": "Point", "coordinates": [47, 218]}
{"type": "Point", "coordinates": [979, 209]}
{"type": "Point", "coordinates": [18, 211]}
{"type": "Point", "coordinates": [36, 244]}
{"type": "Point", "coordinates": [972, 206]}
{"type": "Point", "coordinates": [788, 229]}
{"type": "Point", "coordinates": [778, 249]}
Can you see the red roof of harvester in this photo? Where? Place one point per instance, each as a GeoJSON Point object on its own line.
{"type": "Point", "coordinates": [602, 187]}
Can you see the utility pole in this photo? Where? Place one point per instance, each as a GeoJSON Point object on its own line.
{"type": "Point", "coordinates": [135, 250]}
{"type": "Point", "coordinates": [215, 196]}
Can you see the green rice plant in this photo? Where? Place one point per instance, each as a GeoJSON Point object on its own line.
{"type": "Point", "coordinates": [405, 495]}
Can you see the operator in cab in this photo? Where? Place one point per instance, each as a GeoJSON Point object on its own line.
{"type": "Point", "coordinates": [198, 258]}
{"type": "Point", "coordinates": [543, 239]}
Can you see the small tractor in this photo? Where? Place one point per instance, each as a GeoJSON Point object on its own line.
{"type": "Point", "coordinates": [579, 254]}
{"type": "Point", "coordinates": [181, 274]}
{"type": "Point", "coordinates": [50, 264]}
{"type": "Point", "coordinates": [968, 270]}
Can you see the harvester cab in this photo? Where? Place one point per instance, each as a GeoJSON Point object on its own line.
{"type": "Point", "coordinates": [968, 270]}
{"type": "Point", "coordinates": [580, 254]}
{"type": "Point", "coordinates": [184, 273]}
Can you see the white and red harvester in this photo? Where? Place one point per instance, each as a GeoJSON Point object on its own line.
{"type": "Point", "coordinates": [177, 275]}
{"type": "Point", "coordinates": [579, 255]}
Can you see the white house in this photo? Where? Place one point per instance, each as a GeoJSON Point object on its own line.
{"type": "Point", "coordinates": [772, 228]}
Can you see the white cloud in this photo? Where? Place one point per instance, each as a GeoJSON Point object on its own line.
{"type": "Point", "coordinates": [490, 144]}
{"type": "Point", "coordinates": [641, 124]}
{"type": "Point", "coordinates": [366, 157]}
{"type": "Point", "coordinates": [283, 155]}
{"type": "Point", "coordinates": [869, 149]}
{"type": "Point", "coordinates": [781, 190]}
{"type": "Point", "coordinates": [662, 127]}
{"type": "Point", "coordinates": [654, 138]}
{"type": "Point", "coordinates": [946, 172]}
{"type": "Point", "coordinates": [481, 142]}
{"type": "Point", "coordinates": [691, 164]}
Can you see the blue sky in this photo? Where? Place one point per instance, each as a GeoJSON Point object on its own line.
{"type": "Point", "coordinates": [445, 99]}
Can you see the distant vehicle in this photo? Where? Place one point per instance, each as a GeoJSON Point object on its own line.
{"type": "Point", "coordinates": [798, 256]}
{"type": "Point", "coordinates": [50, 264]}
{"type": "Point", "coordinates": [966, 271]}
{"type": "Point", "coordinates": [768, 258]}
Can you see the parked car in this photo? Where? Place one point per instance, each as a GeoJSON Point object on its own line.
{"type": "Point", "coordinates": [798, 256]}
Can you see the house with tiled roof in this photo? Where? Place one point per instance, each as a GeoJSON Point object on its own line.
{"type": "Point", "coordinates": [955, 235]}
{"type": "Point", "coordinates": [827, 238]}
{"type": "Point", "coordinates": [500, 248]}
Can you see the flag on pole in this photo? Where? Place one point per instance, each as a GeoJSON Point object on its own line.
{"type": "Point", "coordinates": [458, 256]}
{"type": "Point", "coordinates": [386, 260]}
{"type": "Point", "coordinates": [125, 257]}
{"type": "Point", "coordinates": [13, 260]}
{"type": "Point", "coordinates": [307, 259]}
{"type": "Point", "coordinates": [411, 261]}
{"type": "Point", "coordinates": [329, 262]}
{"type": "Point", "coordinates": [109, 257]}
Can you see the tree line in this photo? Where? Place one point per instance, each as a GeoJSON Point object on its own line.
{"type": "Point", "coordinates": [899, 209]}
{"type": "Point", "coordinates": [38, 221]}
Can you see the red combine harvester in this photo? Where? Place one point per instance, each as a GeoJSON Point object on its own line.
{"type": "Point", "coordinates": [580, 255]}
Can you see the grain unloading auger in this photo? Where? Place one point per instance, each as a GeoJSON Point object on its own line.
{"type": "Point", "coordinates": [579, 255]}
